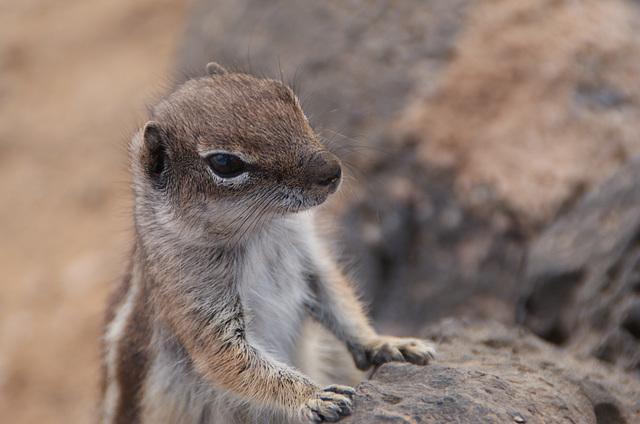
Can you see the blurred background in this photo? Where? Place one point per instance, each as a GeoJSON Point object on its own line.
{"type": "Point", "coordinates": [467, 127]}
{"type": "Point", "coordinates": [75, 79]}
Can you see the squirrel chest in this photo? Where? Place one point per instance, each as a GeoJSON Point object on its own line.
{"type": "Point", "coordinates": [274, 288]}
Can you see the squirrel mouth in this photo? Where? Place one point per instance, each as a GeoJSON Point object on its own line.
{"type": "Point", "coordinates": [299, 201]}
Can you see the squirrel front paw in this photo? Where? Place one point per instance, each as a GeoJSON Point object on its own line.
{"type": "Point", "coordinates": [388, 349]}
{"type": "Point", "coordinates": [328, 404]}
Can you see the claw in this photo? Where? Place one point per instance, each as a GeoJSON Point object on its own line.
{"type": "Point", "coordinates": [389, 349]}
{"type": "Point", "coordinates": [342, 390]}
{"type": "Point", "coordinates": [329, 404]}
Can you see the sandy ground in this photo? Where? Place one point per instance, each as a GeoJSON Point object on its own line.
{"type": "Point", "coordinates": [75, 79]}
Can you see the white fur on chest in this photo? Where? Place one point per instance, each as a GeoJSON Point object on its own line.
{"type": "Point", "coordinates": [272, 286]}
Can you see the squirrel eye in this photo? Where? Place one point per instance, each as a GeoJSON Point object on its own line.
{"type": "Point", "coordinates": [225, 165]}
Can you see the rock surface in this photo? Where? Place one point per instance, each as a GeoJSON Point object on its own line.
{"type": "Point", "coordinates": [488, 373]}
{"type": "Point", "coordinates": [582, 274]}
{"type": "Point", "coordinates": [539, 102]}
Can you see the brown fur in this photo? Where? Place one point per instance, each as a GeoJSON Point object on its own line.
{"type": "Point", "coordinates": [209, 325]}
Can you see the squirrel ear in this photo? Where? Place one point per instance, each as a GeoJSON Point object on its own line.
{"type": "Point", "coordinates": [155, 155]}
{"type": "Point", "coordinates": [214, 69]}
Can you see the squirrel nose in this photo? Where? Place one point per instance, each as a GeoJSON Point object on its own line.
{"type": "Point", "coordinates": [328, 170]}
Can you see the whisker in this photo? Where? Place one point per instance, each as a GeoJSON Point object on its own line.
{"type": "Point", "coordinates": [245, 217]}
{"type": "Point", "coordinates": [248, 223]}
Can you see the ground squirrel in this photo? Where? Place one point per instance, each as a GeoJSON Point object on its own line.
{"type": "Point", "coordinates": [213, 322]}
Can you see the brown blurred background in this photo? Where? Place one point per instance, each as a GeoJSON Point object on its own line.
{"type": "Point", "coordinates": [481, 122]}
{"type": "Point", "coordinates": [75, 79]}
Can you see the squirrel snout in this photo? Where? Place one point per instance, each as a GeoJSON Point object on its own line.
{"type": "Point", "coordinates": [327, 170]}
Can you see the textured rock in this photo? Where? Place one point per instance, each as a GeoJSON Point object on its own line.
{"type": "Point", "coordinates": [582, 274]}
{"type": "Point", "coordinates": [487, 373]}
{"type": "Point", "coordinates": [539, 103]}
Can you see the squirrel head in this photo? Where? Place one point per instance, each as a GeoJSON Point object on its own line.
{"type": "Point", "coordinates": [225, 151]}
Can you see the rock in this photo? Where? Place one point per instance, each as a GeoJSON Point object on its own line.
{"type": "Point", "coordinates": [432, 256]}
{"type": "Point", "coordinates": [582, 274]}
{"type": "Point", "coordinates": [488, 373]}
{"type": "Point", "coordinates": [535, 119]}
